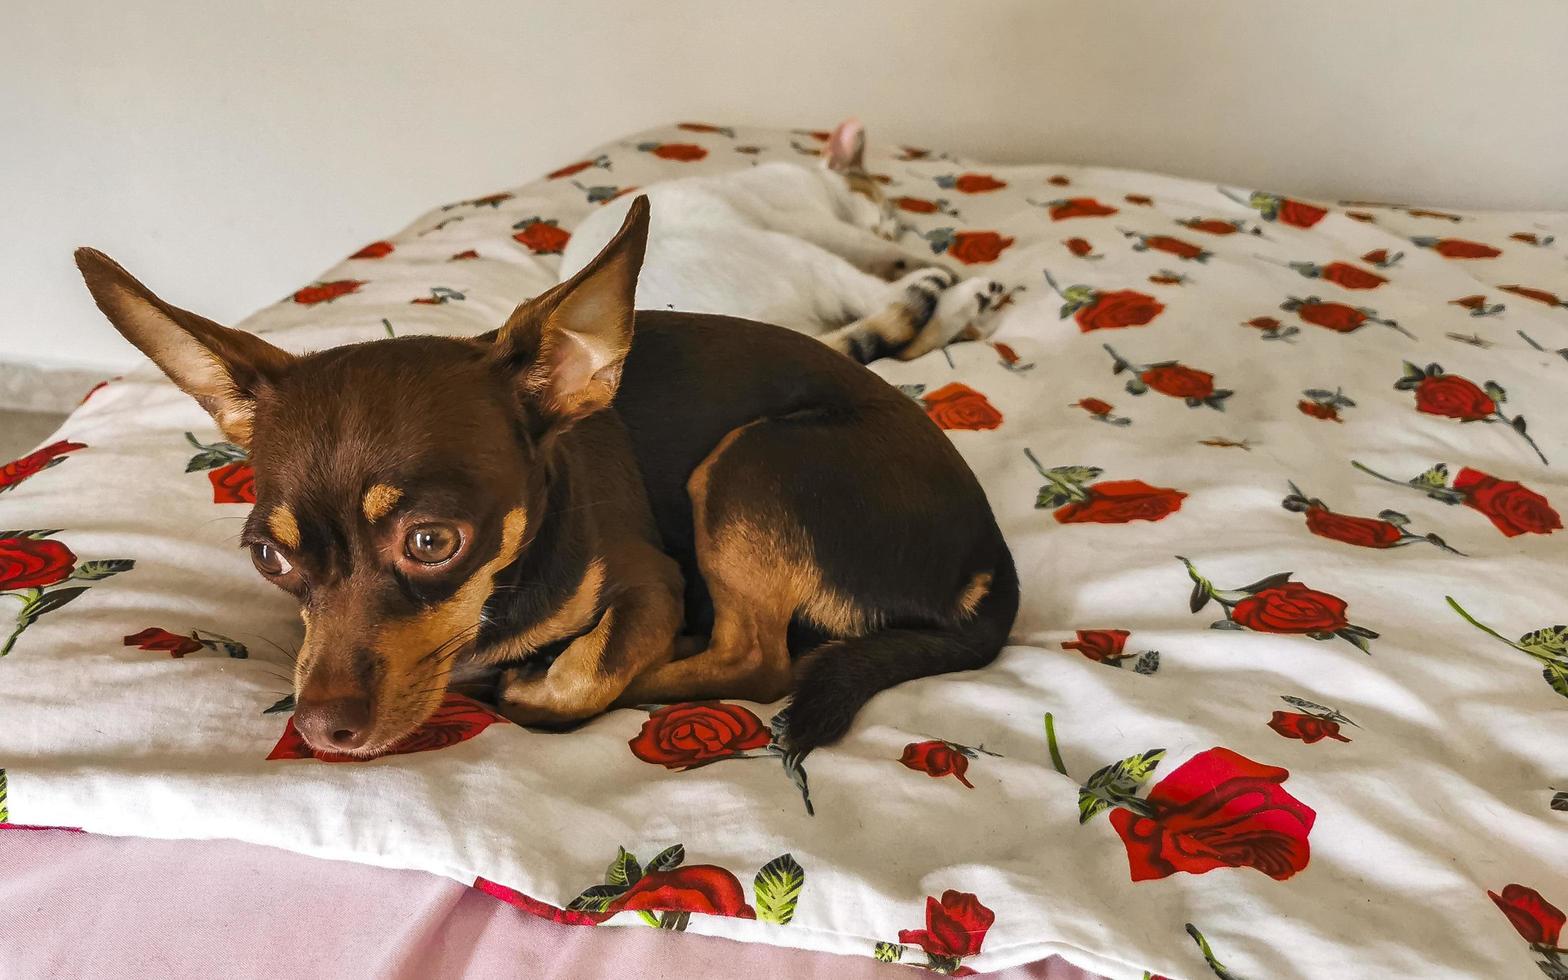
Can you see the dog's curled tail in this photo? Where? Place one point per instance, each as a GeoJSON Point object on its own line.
{"type": "Point", "coordinates": [834, 681]}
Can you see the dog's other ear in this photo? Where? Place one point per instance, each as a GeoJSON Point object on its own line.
{"type": "Point", "coordinates": [566, 346]}
{"type": "Point", "coordinates": [222, 368]}
{"type": "Point", "coordinates": [846, 147]}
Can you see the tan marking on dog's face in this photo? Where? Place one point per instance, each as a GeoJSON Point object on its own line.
{"type": "Point", "coordinates": [379, 501]}
{"type": "Point", "coordinates": [284, 527]}
{"type": "Point", "coordinates": [977, 589]}
{"type": "Point", "coordinates": [417, 653]}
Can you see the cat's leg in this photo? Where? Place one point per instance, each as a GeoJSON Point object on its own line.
{"type": "Point", "coordinates": [861, 248]}
{"type": "Point", "coordinates": [902, 315]}
{"type": "Point", "coordinates": [967, 311]}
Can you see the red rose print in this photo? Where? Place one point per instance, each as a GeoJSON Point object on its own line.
{"type": "Point", "coordinates": [1390, 529]}
{"type": "Point", "coordinates": [1458, 248]}
{"type": "Point", "coordinates": [153, 638]}
{"type": "Point", "coordinates": [1538, 921]}
{"type": "Point", "coordinates": [533, 906]}
{"type": "Point", "coordinates": [1212, 226]}
{"type": "Point", "coordinates": [1299, 214]}
{"type": "Point", "coordinates": [1290, 608]}
{"type": "Point", "coordinates": [1380, 258]}
{"type": "Point", "coordinates": [1263, 323]}
{"type": "Point", "coordinates": [1360, 216]}
{"type": "Point", "coordinates": [682, 736]}
{"type": "Point", "coordinates": [569, 170]}
{"type": "Point", "coordinates": [234, 483]}
{"type": "Point", "coordinates": [691, 127]}
{"type": "Point", "coordinates": [36, 462]}
{"type": "Point", "coordinates": [917, 205]}
{"type": "Point", "coordinates": [975, 183]}
{"type": "Point", "coordinates": [681, 152]}
{"type": "Point", "coordinates": [1079, 207]}
{"type": "Point", "coordinates": [1425, 213]}
{"type": "Point", "coordinates": [1539, 295]}
{"type": "Point", "coordinates": [1512, 508]}
{"type": "Point", "coordinates": [1470, 302]}
{"type": "Point", "coordinates": [1167, 278]}
{"type": "Point", "coordinates": [1307, 728]}
{"type": "Point", "coordinates": [1453, 397]}
{"type": "Point", "coordinates": [1179, 381]}
{"type": "Point", "coordinates": [1142, 200]}
{"type": "Point", "coordinates": [973, 247]}
{"type": "Point", "coordinates": [326, 292]}
{"type": "Point", "coordinates": [957, 406]}
{"type": "Point", "coordinates": [464, 255]}
{"type": "Point", "coordinates": [695, 888]}
{"type": "Point", "coordinates": [33, 563]}
{"type": "Point", "coordinates": [458, 719]}
{"type": "Point", "coordinates": [1174, 246]}
{"type": "Point", "coordinates": [1335, 316]}
{"type": "Point", "coordinates": [1121, 501]}
{"type": "Point", "coordinates": [955, 926]}
{"type": "Point", "coordinates": [543, 237]}
{"type": "Point", "coordinates": [1171, 378]}
{"type": "Point", "coordinates": [1079, 247]}
{"type": "Point", "coordinates": [1319, 410]}
{"type": "Point", "coordinates": [1101, 646]}
{"type": "Point", "coordinates": [1118, 308]}
{"type": "Point", "coordinates": [1350, 277]}
{"type": "Point", "coordinates": [1530, 238]}
{"type": "Point", "coordinates": [1365, 532]}
{"type": "Point", "coordinates": [1058, 181]}
{"type": "Point", "coordinates": [1009, 357]}
{"type": "Point", "coordinates": [1456, 397]}
{"type": "Point", "coordinates": [1218, 810]}
{"type": "Point", "coordinates": [936, 758]}
{"type": "Point", "coordinates": [1095, 406]}
{"type": "Point", "coordinates": [375, 250]}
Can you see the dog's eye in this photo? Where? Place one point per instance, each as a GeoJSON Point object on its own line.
{"type": "Point", "coordinates": [269, 561]}
{"type": "Point", "coordinates": [432, 544]}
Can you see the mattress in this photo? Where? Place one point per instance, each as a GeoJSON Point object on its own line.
{"type": "Point", "coordinates": [1286, 693]}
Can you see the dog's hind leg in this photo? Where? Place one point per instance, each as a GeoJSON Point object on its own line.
{"type": "Point", "coordinates": [810, 517]}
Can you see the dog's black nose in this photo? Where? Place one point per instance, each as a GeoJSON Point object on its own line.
{"type": "Point", "coordinates": [341, 724]}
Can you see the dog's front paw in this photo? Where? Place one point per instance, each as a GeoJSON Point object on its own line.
{"type": "Point", "coordinates": [524, 697]}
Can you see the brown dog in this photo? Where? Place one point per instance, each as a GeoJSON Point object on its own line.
{"type": "Point", "coordinates": [446, 507]}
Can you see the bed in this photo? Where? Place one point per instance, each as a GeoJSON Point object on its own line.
{"type": "Point", "coordinates": [1286, 696]}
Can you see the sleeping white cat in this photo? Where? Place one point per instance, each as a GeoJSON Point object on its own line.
{"type": "Point", "coordinates": [811, 248]}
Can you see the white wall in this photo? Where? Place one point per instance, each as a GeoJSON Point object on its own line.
{"type": "Point", "coordinates": [228, 151]}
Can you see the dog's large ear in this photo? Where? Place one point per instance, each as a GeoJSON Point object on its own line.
{"type": "Point", "coordinates": [565, 347]}
{"type": "Point", "coordinates": [846, 147]}
{"type": "Point", "coordinates": [222, 368]}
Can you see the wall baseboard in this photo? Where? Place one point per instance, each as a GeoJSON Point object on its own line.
{"type": "Point", "coordinates": [45, 388]}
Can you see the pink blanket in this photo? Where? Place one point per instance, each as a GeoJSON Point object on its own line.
{"type": "Point", "coordinates": [82, 905]}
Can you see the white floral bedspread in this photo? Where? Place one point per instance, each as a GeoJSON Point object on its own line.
{"type": "Point", "coordinates": [1328, 740]}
